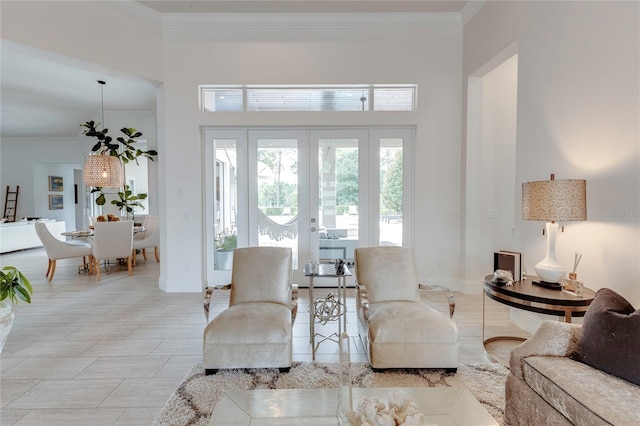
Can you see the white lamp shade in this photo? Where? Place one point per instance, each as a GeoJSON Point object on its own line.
{"type": "Point", "coordinates": [103, 171]}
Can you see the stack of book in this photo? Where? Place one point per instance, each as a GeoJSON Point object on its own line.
{"type": "Point", "coordinates": [509, 261]}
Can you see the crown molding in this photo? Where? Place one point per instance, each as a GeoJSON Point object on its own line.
{"type": "Point", "coordinates": [136, 10]}
{"type": "Point", "coordinates": [311, 20]}
{"type": "Point", "coordinates": [293, 20]}
{"type": "Point", "coordinates": [470, 10]}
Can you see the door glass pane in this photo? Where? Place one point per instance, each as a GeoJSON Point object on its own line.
{"type": "Point", "coordinates": [225, 203]}
{"type": "Point", "coordinates": [338, 198]}
{"type": "Point", "coordinates": [278, 194]}
{"type": "Point", "coordinates": [391, 158]}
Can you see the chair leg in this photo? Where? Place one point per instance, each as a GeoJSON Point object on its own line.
{"type": "Point", "coordinates": [157, 253]}
{"type": "Point", "coordinates": [133, 256]}
{"type": "Point", "coordinates": [129, 266]}
{"type": "Point", "coordinates": [144, 253]}
{"type": "Point", "coordinates": [48, 268]}
{"type": "Point", "coordinates": [97, 266]}
{"type": "Point", "coordinates": [53, 270]}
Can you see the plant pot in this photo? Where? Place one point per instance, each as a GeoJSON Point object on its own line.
{"type": "Point", "coordinates": [223, 260]}
{"type": "Point", "coordinates": [6, 321]}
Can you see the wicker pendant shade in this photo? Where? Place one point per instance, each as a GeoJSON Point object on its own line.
{"type": "Point", "coordinates": [103, 171]}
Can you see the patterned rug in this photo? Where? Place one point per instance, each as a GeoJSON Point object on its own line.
{"type": "Point", "coordinates": [193, 401]}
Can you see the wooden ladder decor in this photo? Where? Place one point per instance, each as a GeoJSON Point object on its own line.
{"type": "Point", "coordinates": [11, 204]}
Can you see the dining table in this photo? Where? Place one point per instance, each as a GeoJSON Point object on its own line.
{"type": "Point", "coordinates": [87, 235]}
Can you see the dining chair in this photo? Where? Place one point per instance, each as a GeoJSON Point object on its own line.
{"type": "Point", "coordinates": [396, 328]}
{"type": "Point", "coordinates": [150, 237]}
{"type": "Point", "coordinates": [57, 249]}
{"type": "Point", "coordinates": [112, 240]}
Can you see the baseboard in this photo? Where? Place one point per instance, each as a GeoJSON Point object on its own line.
{"type": "Point", "coordinates": [473, 286]}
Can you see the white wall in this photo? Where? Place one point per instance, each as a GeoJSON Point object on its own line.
{"type": "Point", "coordinates": [429, 57]}
{"type": "Point", "coordinates": [29, 161]}
{"type": "Point", "coordinates": [491, 169]}
{"type": "Point", "coordinates": [577, 117]}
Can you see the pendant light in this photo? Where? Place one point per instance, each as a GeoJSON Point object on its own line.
{"type": "Point", "coordinates": [103, 170]}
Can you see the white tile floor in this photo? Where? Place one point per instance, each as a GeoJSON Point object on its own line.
{"type": "Point", "coordinates": [111, 352]}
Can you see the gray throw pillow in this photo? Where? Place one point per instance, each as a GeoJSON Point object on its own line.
{"type": "Point", "coordinates": [610, 336]}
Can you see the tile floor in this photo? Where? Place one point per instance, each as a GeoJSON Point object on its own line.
{"type": "Point", "coordinates": [111, 352]}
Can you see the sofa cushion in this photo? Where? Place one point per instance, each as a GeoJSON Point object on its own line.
{"type": "Point", "coordinates": [584, 395]}
{"type": "Point", "coordinates": [610, 340]}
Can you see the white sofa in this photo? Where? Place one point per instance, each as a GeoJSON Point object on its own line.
{"type": "Point", "coordinates": [22, 235]}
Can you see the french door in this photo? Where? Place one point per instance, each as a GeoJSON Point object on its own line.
{"type": "Point", "coordinates": [317, 191]}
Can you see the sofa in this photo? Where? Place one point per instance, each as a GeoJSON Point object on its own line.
{"type": "Point", "coordinates": [22, 235]}
{"type": "Point", "coordinates": [547, 387]}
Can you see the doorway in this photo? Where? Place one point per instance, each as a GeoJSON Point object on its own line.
{"type": "Point", "coordinates": [321, 192]}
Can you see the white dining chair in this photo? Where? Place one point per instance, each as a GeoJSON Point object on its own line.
{"type": "Point", "coordinates": [112, 240]}
{"type": "Point", "coordinates": [150, 238]}
{"type": "Point", "coordinates": [57, 249]}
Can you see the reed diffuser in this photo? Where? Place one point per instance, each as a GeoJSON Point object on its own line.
{"type": "Point", "coordinates": [572, 285]}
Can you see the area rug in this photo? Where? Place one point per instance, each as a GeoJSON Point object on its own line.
{"type": "Point", "coordinates": [193, 401]}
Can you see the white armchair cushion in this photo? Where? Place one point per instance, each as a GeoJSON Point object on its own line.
{"type": "Point", "coordinates": [386, 282]}
{"type": "Point", "coordinates": [256, 278]}
{"type": "Point", "coordinates": [249, 335]}
{"type": "Point", "coordinates": [388, 324]}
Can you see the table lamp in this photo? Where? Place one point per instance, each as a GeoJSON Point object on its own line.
{"type": "Point", "coordinates": [553, 201]}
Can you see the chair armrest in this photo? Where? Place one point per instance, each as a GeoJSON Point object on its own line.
{"type": "Point", "coordinates": [362, 301]}
{"type": "Point", "coordinates": [207, 297]}
{"type": "Point", "coordinates": [294, 302]}
{"type": "Point", "coordinates": [553, 338]}
{"type": "Point", "coordinates": [450, 299]}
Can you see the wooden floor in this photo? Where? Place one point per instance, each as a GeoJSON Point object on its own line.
{"type": "Point", "coordinates": [111, 352]}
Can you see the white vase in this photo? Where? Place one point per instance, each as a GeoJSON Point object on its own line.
{"type": "Point", "coordinates": [223, 260]}
{"type": "Point", "coordinates": [6, 321]}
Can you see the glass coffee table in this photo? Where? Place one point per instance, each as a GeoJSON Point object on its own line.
{"type": "Point", "coordinates": [285, 407]}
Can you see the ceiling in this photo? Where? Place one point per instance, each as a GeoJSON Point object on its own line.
{"type": "Point", "coordinates": [47, 95]}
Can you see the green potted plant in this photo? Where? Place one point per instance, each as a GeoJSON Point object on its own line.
{"type": "Point", "coordinates": [128, 201]}
{"type": "Point", "coordinates": [125, 150]}
{"type": "Point", "coordinates": [225, 243]}
{"type": "Point", "coordinates": [14, 286]}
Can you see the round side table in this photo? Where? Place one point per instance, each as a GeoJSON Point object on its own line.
{"type": "Point", "coordinates": [529, 297]}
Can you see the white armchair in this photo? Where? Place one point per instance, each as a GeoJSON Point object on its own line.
{"type": "Point", "coordinates": [149, 238]}
{"type": "Point", "coordinates": [255, 331]}
{"type": "Point", "coordinates": [112, 240]}
{"type": "Point", "coordinates": [57, 249]}
{"type": "Point", "coordinates": [397, 330]}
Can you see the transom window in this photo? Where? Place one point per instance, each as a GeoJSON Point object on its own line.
{"type": "Point", "coordinates": [366, 97]}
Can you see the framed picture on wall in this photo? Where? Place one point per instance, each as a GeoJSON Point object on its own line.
{"type": "Point", "coordinates": [56, 202]}
{"type": "Point", "coordinates": [56, 184]}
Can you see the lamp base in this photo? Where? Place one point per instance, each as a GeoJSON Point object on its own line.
{"type": "Point", "coordinates": [550, 286]}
